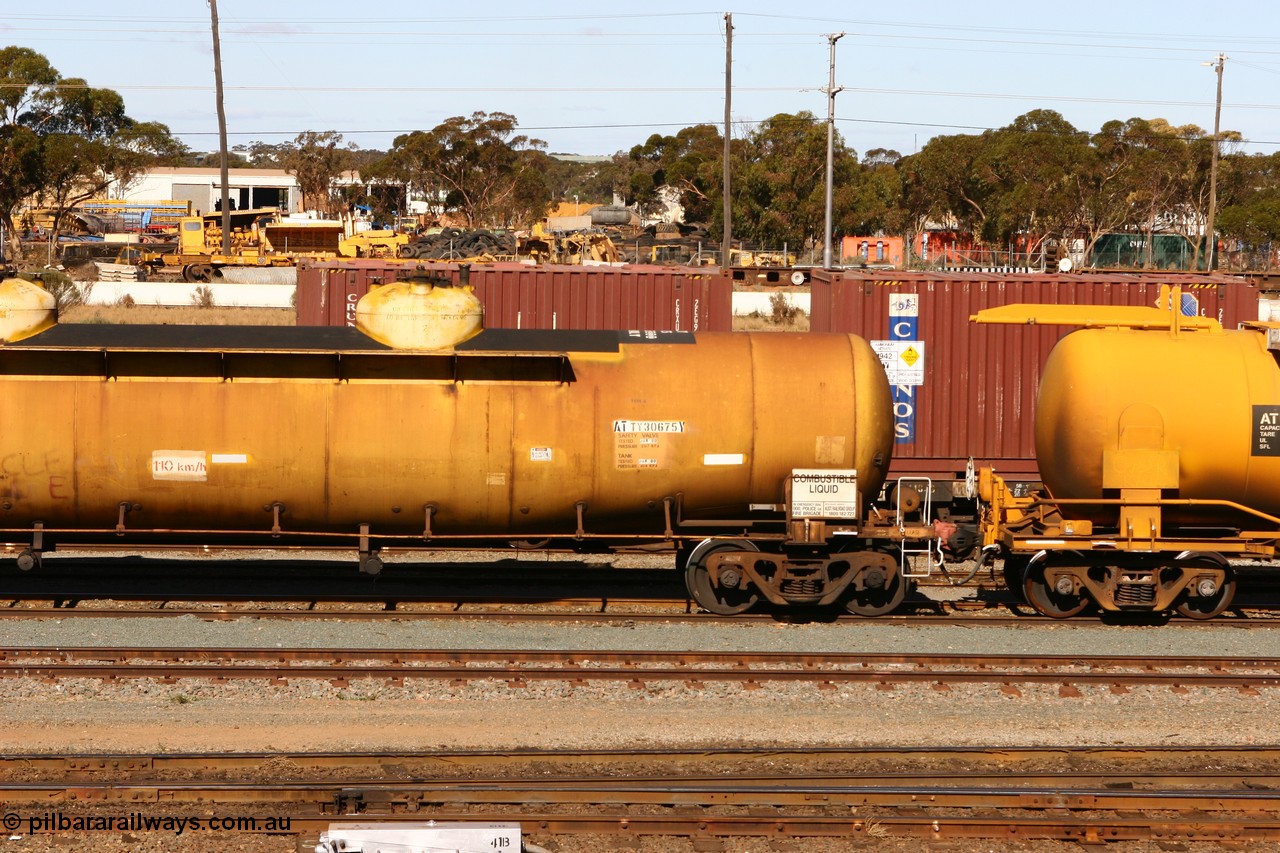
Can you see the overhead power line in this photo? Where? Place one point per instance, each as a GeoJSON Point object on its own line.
{"type": "Point", "coordinates": [605, 90]}
{"type": "Point", "coordinates": [681, 125]}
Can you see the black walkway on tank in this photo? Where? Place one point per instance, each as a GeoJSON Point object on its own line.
{"type": "Point", "coordinates": [566, 340]}
{"type": "Point", "coordinates": [305, 353]}
{"type": "Point", "coordinates": [97, 336]}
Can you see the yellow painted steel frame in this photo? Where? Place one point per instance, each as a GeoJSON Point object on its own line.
{"type": "Point", "coordinates": [1035, 529]}
{"type": "Point", "coordinates": [1103, 316]}
{"type": "Point", "coordinates": [1029, 525]}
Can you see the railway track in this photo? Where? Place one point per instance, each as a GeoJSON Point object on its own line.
{"type": "Point", "coordinates": [993, 612]}
{"type": "Point", "coordinates": [1063, 793]}
{"type": "Point", "coordinates": [510, 588]}
{"type": "Point", "coordinates": [638, 669]}
{"type": "Point", "coordinates": [492, 585]}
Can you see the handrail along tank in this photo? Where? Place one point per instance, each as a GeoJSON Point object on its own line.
{"type": "Point", "coordinates": [1158, 439]}
{"type": "Point", "coordinates": [295, 435]}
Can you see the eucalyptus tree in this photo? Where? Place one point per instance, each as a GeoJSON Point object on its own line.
{"type": "Point", "coordinates": [1028, 168]}
{"type": "Point", "coordinates": [1249, 189]}
{"type": "Point", "coordinates": [1186, 152]}
{"type": "Point", "coordinates": [1155, 177]}
{"type": "Point", "coordinates": [871, 200]}
{"type": "Point", "coordinates": [79, 165]}
{"type": "Point", "coordinates": [1099, 190]}
{"type": "Point", "coordinates": [780, 193]}
{"type": "Point", "coordinates": [689, 164]}
{"type": "Point", "coordinates": [316, 160]}
{"type": "Point", "coordinates": [945, 184]}
{"type": "Point", "coordinates": [63, 141]}
{"type": "Point", "coordinates": [477, 166]}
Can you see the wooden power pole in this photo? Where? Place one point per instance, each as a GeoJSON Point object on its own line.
{"type": "Point", "coordinates": [1212, 263]}
{"type": "Point", "coordinates": [832, 91]}
{"type": "Point", "coordinates": [222, 131]}
{"type": "Point", "coordinates": [727, 247]}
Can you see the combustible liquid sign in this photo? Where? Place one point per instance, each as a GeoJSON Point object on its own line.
{"type": "Point", "coordinates": [823, 493]}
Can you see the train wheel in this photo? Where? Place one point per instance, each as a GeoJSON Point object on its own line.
{"type": "Point", "coordinates": [722, 600]}
{"type": "Point", "coordinates": [880, 600]}
{"type": "Point", "coordinates": [1050, 602]}
{"type": "Point", "coordinates": [1207, 607]}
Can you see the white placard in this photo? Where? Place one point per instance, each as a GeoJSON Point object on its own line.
{"type": "Point", "coordinates": [182, 465]}
{"type": "Point", "coordinates": [903, 361]}
{"type": "Point", "coordinates": [824, 493]}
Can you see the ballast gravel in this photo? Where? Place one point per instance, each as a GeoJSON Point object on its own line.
{"type": "Point", "coordinates": [427, 713]}
{"type": "Point", "coordinates": [91, 715]}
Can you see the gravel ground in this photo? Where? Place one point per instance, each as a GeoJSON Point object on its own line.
{"type": "Point", "coordinates": [146, 716]}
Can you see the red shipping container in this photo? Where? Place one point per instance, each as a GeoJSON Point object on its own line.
{"type": "Point", "coordinates": [518, 296]}
{"type": "Point", "coordinates": [977, 397]}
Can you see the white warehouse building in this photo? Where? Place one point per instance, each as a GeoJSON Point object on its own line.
{"type": "Point", "coordinates": [202, 186]}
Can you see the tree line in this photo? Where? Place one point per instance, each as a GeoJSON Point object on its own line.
{"type": "Point", "coordinates": [1038, 179]}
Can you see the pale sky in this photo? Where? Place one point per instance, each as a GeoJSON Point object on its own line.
{"type": "Point", "coordinates": [597, 78]}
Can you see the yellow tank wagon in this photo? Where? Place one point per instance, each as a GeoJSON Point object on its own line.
{"type": "Point", "coordinates": [756, 456]}
{"type": "Point", "coordinates": [1158, 441]}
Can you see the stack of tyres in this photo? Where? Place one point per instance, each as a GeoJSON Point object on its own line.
{"type": "Point", "coordinates": [455, 243]}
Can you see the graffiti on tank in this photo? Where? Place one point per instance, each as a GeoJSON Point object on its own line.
{"type": "Point", "coordinates": [27, 476]}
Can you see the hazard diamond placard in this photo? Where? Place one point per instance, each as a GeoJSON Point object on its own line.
{"type": "Point", "coordinates": [903, 361]}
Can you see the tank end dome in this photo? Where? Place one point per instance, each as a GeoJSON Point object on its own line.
{"type": "Point", "coordinates": [421, 313]}
{"type": "Point", "coordinates": [26, 309]}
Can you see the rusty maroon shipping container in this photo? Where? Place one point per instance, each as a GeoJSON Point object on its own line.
{"type": "Point", "coordinates": [518, 296]}
{"type": "Point", "coordinates": [979, 382]}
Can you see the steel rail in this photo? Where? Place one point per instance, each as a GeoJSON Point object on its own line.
{"type": "Point", "coordinates": [1055, 756]}
{"type": "Point", "coordinates": [946, 613]}
{"type": "Point", "coordinates": [518, 677]}
{"type": "Point", "coordinates": [1092, 827]}
{"type": "Point", "coordinates": [355, 796]}
{"type": "Point", "coordinates": [833, 662]}
{"type": "Point", "coordinates": [1093, 806]}
{"type": "Point", "coordinates": [637, 668]}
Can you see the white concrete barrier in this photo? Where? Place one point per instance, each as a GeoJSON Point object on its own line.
{"type": "Point", "coordinates": [178, 293]}
{"type": "Point", "coordinates": [762, 303]}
